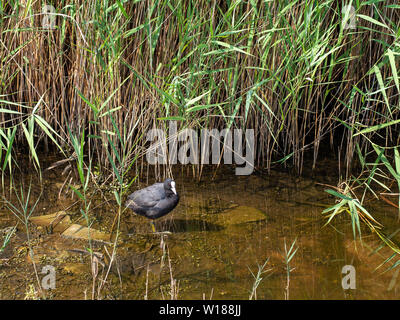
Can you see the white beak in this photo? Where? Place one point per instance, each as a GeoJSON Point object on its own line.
{"type": "Point", "coordinates": [173, 187]}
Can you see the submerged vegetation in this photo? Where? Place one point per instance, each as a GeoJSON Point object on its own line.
{"type": "Point", "coordinates": [88, 79]}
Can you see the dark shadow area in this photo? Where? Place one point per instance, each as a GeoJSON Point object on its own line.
{"type": "Point", "coordinates": [171, 225]}
{"type": "Point", "coordinates": [187, 225]}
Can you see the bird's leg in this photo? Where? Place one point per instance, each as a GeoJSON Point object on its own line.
{"type": "Point", "coordinates": [153, 226]}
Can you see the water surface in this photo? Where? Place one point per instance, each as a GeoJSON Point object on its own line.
{"type": "Point", "coordinates": [223, 229]}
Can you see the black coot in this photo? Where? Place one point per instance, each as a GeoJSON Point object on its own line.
{"type": "Point", "coordinates": [154, 201]}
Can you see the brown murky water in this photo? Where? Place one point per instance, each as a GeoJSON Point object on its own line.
{"type": "Point", "coordinates": [221, 231]}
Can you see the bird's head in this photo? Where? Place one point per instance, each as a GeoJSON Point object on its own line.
{"type": "Point", "coordinates": [169, 186]}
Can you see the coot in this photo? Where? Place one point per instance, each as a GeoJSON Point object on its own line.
{"type": "Point", "coordinates": [154, 201]}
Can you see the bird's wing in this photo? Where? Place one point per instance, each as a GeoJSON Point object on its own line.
{"type": "Point", "coordinates": [148, 197]}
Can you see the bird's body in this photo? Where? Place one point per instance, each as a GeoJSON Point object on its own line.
{"type": "Point", "coordinates": [154, 201]}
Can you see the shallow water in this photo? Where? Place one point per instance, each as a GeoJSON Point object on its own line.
{"type": "Point", "coordinates": [223, 229]}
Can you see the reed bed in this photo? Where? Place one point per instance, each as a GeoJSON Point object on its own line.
{"type": "Point", "coordinates": [296, 72]}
